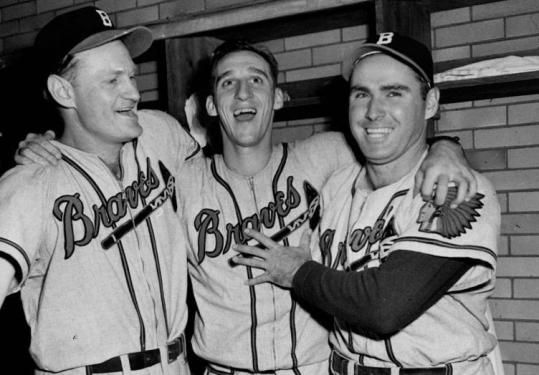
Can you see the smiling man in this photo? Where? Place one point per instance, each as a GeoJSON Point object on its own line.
{"type": "Point", "coordinates": [406, 298]}
{"type": "Point", "coordinates": [254, 184]}
{"type": "Point", "coordinates": [94, 243]}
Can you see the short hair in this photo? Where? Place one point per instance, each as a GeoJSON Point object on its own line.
{"type": "Point", "coordinates": [231, 46]}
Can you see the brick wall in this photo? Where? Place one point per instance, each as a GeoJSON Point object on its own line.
{"type": "Point", "coordinates": [501, 135]}
{"type": "Point", "coordinates": [502, 139]}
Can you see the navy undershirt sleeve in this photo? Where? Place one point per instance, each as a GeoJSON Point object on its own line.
{"type": "Point", "coordinates": [378, 302]}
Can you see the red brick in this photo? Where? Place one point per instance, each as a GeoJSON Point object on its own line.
{"type": "Point", "coordinates": [522, 25]}
{"type": "Point", "coordinates": [112, 6]}
{"type": "Point", "coordinates": [503, 245]}
{"type": "Point", "coordinates": [505, 47]}
{"type": "Point", "coordinates": [313, 39]}
{"type": "Point", "coordinates": [176, 8]}
{"type": "Point", "coordinates": [149, 96]}
{"type": "Point", "coordinates": [519, 352]}
{"type": "Point", "coordinates": [316, 72]}
{"type": "Point", "coordinates": [35, 22]}
{"type": "Point", "coordinates": [520, 223]}
{"type": "Point", "coordinates": [504, 8]}
{"type": "Point", "coordinates": [9, 28]}
{"type": "Point", "coordinates": [295, 59]}
{"type": "Point", "coordinates": [514, 309]}
{"type": "Point", "coordinates": [472, 118]}
{"type": "Point", "coordinates": [524, 369]}
{"type": "Point", "coordinates": [46, 5]}
{"type": "Point", "coordinates": [527, 288]}
{"type": "Point", "coordinates": [448, 17]}
{"type": "Point", "coordinates": [523, 157]}
{"type": "Point", "coordinates": [518, 267]}
{"type": "Point", "coordinates": [5, 3]}
{"type": "Point", "coordinates": [523, 113]}
{"type": "Point", "coordinates": [355, 33]}
{"type": "Point", "coordinates": [19, 41]}
{"type": "Point", "coordinates": [525, 245]}
{"type": "Point", "coordinates": [502, 200]}
{"type": "Point", "coordinates": [451, 53]}
{"type": "Point", "coordinates": [504, 330]}
{"type": "Point", "coordinates": [484, 160]}
{"type": "Point", "coordinates": [469, 33]}
{"type": "Point", "coordinates": [215, 4]}
{"type": "Point", "coordinates": [137, 16]}
{"type": "Point", "coordinates": [147, 81]}
{"type": "Point", "coordinates": [18, 11]}
{"type": "Point", "coordinates": [507, 136]}
{"type": "Point", "coordinates": [524, 201]}
{"type": "Point", "coordinates": [509, 368]}
{"type": "Point", "coordinates": [275, 46]}
{"type": "Point", "coordinates": [334, 53]}
{"type": "Point", "coordinates": [503, 288]}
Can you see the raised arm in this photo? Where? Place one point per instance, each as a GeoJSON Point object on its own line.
{"type": "Point", "coordinates": [444, 165]}
{"type": "Point", "coordinates": [37, 148]}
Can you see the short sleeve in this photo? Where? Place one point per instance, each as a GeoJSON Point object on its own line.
{"type": "Point", "coordinates": [469, 231]}
{"type": "Point", "coordinates": [23, 192]}
{"type": "Point", "coordinates": [325, 153]}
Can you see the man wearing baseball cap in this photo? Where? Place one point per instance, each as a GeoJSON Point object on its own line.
{"type": "Point", "coordinates": [93, 243]}
{"type": "Point", "coordinates": [406, 279]}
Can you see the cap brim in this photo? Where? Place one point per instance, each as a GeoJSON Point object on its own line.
{"type": "Point", "coordinates": [137, 40]}
{"type": "Point", "coordinates": [368, 49]}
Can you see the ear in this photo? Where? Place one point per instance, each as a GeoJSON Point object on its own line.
{"type": "Point", "coordinates": [61, 90]}
{"type": "Point", "coordinates": [432, 102]}
{"type": "Point", "coordinates": [278, 99]}
{"type": "Point", "coordinates": [210, 106]}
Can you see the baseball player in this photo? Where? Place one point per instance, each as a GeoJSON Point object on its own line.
{"type": "Point", "coordinates": [94, 243]}
{"type": "Point", "coordinates": [253, 184]}
{"type": "Point", "coordinates": [407, 280]}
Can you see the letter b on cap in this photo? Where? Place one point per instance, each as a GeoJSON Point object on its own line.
{"type": "Point", "coordinates": [104, 17]}
{"type": "Point", "coordinates": [385, 38]}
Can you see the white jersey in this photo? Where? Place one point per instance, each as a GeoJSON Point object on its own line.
{"type": "Point", "coordinates": [94, 286]}
{"type": "Point", "coordinates": [259, 328]}
{"type": "Point", "coordinates": [360, 228]}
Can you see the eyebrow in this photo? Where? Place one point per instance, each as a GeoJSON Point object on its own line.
{"type": "Point", "coordinates": [250, 69]}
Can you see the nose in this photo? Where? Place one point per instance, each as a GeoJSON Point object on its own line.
{"type": "Point", "coordinates": [243, 90]}
{"type": "Point", "coordinates": [130, 90]}
{"type": "Point", "coordinates": [375, 109]}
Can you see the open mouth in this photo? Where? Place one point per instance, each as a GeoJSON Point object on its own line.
{"type": "Point", "coordinates": [378, 132]}
{"type": "Point", "coordinates": [244, 114]}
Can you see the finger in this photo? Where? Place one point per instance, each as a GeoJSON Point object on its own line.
{"type": "Point", "coordinates": [462, 190]}
{"type": "Point", "coordinates": [472, 186]}
{"type": "Point", "coordinates": [428, 186]}
{"type": "Point", "coordinates": [250, 250]}
{"type": "Point", "coordinates": [27, 156]}
{"type": "Point", "coordinates": [31, 136]}
{"type": "Point", "coordinates": [43, 151]}
{"type": "Point", "coordinates": [50, 135]}
{"type": "Point", "coordinates": [441, 190]}
{"type": "Point", "coordinates": [264, 240]}
{"type": "Point", "coordinates": [264, 278]}
{"type": "Point", "coordinates": [43, 145]}
{"type": "Point", "coordinates": [305, 240]}
{"type": "Point", "coordinates": [250, 262]}
{"type": "Point", "coordinates": [419, 177]}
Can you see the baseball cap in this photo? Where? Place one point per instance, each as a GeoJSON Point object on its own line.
{"type": "Point", "coordinates": [83, 29]}
{"type": "Point", "coordinates": [403, 48]}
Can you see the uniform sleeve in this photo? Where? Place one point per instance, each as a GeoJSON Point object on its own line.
{"type": "Point", "coordinates": [325, 153]}
{"type": "Point", "coordinates": [470, 231]}
{"type": "Point", "coordinates": [22, 217]}
{"type": "Point", "coordinates": [378, 302]}
{"type": "Point", "coordinates": [168, 134]}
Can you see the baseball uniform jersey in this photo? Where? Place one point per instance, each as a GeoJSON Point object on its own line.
{"type": "Point", "coordinates": [361, 227]}
{"type": "Point", "coordinates": [102, 260]}
{"type": "Point", "coordinates": [257, 328]}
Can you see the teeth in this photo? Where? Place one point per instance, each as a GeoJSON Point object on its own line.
{"type": "Point", "coordinates": [243, 111]}
{"type": "Point", "coordinates": [378, 131]}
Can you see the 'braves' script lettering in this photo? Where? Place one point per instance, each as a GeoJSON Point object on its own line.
{"type": "Point", "coordinates": [207, 222]}
{"type": "Point", "coordinates": [69, 209]}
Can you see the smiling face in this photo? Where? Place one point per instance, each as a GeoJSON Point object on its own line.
{"type": "Point", "coordinates": [387, 112]}
{"type": "Point", "coordinates": [104, 97]}
{"type": "Point", "coordinates": [244, 97]}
